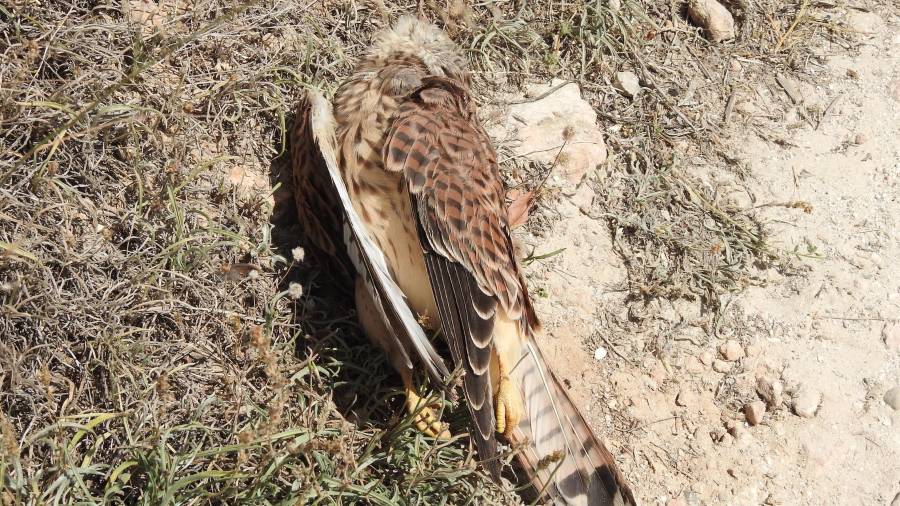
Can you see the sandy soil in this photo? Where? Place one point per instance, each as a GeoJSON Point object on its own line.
{"type": "Point", "coordinates": [828, 332]}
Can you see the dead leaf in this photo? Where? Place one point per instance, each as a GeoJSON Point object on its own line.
{"type": "Point", "coordinates": [238, 271]}
{"type": "Point", "coordinates": [519, 205]}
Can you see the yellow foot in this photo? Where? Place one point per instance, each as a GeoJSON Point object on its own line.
{"type": "Point", "coordinates": [508, 406]}
{"type": "Point", "coordinates": [426, 418]}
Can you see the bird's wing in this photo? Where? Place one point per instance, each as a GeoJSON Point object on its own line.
{"type": "Point", "coordinates": [457, 195]}
{"type": "Point", "coordinates": [315, 197]}
{"type": "Point", "coordinates": [457, 199]}
{"type": "Point", "coordinates": [315, 152]}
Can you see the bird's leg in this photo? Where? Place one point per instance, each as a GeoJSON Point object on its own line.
{"type": "Point", "coordinates": [426, 418]}
{"type": "Point", "coordinates": [425, 415]}
{"type": "Point", "coordinates": [508, 406]}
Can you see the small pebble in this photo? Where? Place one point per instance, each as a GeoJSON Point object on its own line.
{"type": "Point", "coordinates": [890, 335]}
{"type": "Point", "coordinates": [600, 353]}
{"type": "Point", "coordinates": [755, 411]}
{"type": "Point", "coordinates": [860, 138]}
{"type": "Point", "coordinates": [735, 429]}
{"type": "Point", "coordinates": [707, 357]}
{"type": "Point", "coordinates": [627, 83]}
{"type": "Point", "coordinates": [727, 440]}
{"type": "Point", "coordinates": [753, 350]}
{"type": "Point", "coordinates": [806, 402]}
{"type": "Point", "coordinates": [714, 17]}
{"type": "Point", "coordinates": [721, 366]}
{"type": "Point", "coordinates": [770, 390]}
{"type": "Point", "coordinates": [685, 398]}
{"type": "Point", "coordinates": [894, 89]}
{"type": "Point", "coordinates": [731, 350]}
{"type": "Point", "coordinates": [892, 398]}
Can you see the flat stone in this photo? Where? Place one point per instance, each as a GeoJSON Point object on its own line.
{"type": "Point", "coordinates": [713, 17]}
{"type": "Point", "coordinates": [890, 333]}
{"type": "Point", "coordinates": [685, 398]}
{"type": "Point", "coordinates": [770, 390]}
{"type": "Point", "coordinates": [560, 127]}
{"type": "Point", "coordinates": [721, 366]}
{"type": "Point", "coordinates": [732, 350]}
{"type": "Point", "coordinates": [806, 402]}
{"type": "Point", "coordinates": [892, 398]}
{"type": "Point", "coordinates": [754, 412]}
{"type": "Point", "coordinates": [864, 22]}
{"type": "Point", "coordinates": [627, 83]}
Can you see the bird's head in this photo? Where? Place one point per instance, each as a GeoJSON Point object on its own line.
{"type": "Point", "coordinates": [411, 36]}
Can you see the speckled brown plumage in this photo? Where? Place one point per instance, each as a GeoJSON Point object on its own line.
{"type": "Point", "coordinates": [316, 202]}
{"type": "Point", "coordinates": [423, 177]}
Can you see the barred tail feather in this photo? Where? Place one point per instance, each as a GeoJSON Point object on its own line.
{"type": "Point", "coordinates": [563, 458]}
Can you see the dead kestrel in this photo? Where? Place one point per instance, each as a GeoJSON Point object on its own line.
{"type": "Point", "coordinates": [406, 169]}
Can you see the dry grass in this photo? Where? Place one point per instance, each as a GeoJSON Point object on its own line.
{"type": "Point", "coordinates": [153, 351]}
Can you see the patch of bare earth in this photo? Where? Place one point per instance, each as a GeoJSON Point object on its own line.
{"type": "Point", "coordinates": [783, 395]}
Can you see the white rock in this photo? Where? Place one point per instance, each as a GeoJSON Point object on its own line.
{"type": "Point", "coordinates": [560, 127]}
{"type": "Point", "coordinates": [685, 398]}
{"type": "Point", "coordinates": [755, 411]}
{"type": "Point", "coordinates": [770, 390]}
{"type": "Point", "coordinates": [583, 197]}
{"type": "Point", "coordinates": [894, 89]}
{"type": "Point", "coordinates": [707, 357]}
{"type": "Point", "coordinates": [600, 353]}
{"type": "Point", "coordinates": [713, 17]}
{"type": "Point", "coordinates": [721, 366]}
{"type": "Point", "coordinates": [864, 22]}
{"type": "Point", "coordinates": [731, 350]}
{"type": "Point", "coordinates": [753, 350]}
{"type": "Point", "coordinates": [806, 402]}
{"type": "Point", "coordinates": [627, 83]}
{"type": "Point", "coordinates": [736, 429]}
{"type": "Point", "coordinates": [727, 440]}
{"type": "Point", "coordinates": [890, 334]}
{"type": "Point", "coordinates": [892, 398]}
{"type": "Point", "coordinates": [144, 14]}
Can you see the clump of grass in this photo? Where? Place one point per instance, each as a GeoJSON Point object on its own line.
{"type": "Point", "coordinates": [153, 351]}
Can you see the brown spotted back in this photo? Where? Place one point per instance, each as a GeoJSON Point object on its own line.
{"type": "Point", "coordinates": [454, 185]}
{"type": "Point", "coordinates": [451, 168]}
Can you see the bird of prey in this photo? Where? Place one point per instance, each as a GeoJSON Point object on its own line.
{"type": "Point", "coordinates": [402, 166]}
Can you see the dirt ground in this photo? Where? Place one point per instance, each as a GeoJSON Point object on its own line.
{"type": "Point", "coordinates": [674, 414]}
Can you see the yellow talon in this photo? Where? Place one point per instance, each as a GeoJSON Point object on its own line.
{"type": "Point", "coordinates": [426, 418]}
{"type": "Point", "coordinates": [507, 405]}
